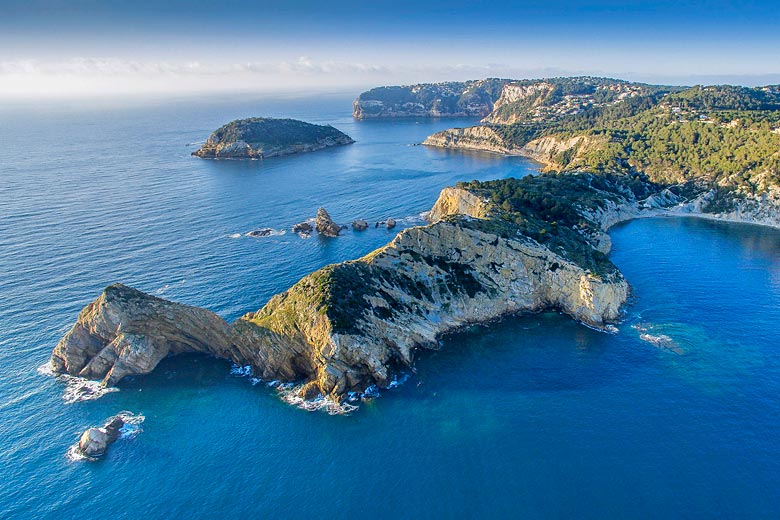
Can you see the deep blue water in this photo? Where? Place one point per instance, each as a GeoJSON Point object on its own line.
{"type": "Point", "coordinates": [534, 417]}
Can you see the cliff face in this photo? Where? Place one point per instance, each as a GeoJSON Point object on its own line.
{"type": "Point", "coordinates": [547, 150]}
{"type": "Point", "coordinates": [516, 101]}
{"type": "Point", "coordinates": [261, 138]}
{"type": "Point", "coordinates": [457, 201]}
{"type": "Point", "coordinates": [478, 138]}
{"type": "Point", "coordinates": [451, 99]}
{"type": "Point", "coordinates": [351, 325]}
{"type": "Point", "coordinates": [127, 332]}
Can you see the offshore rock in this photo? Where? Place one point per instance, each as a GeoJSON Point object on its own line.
{"type": "Point", "coordinates": [260, 232]}
{"type": "Point", "coordinates": [325, 225]}
{"type": "Point", "coordinates": [390, 223]}
{"type": "Point", "coordinates": [264, 137]}
{"type": "Point", "coordinates": [359, 225]}
{"type": "Point", "coordinates": [94, 441]}
{"type": "Point", "coordinates": [303, 229]}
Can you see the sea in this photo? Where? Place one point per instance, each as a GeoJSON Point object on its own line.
{"type": "Point", "coordinates": [676, 415]}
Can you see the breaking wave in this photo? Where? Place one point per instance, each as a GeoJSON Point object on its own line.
{"type": "Point", "coordinates": [290, 394]}
{"type": "Point", "coordinates": [167, 286]}
{"type": "Point", "coordinates": [77, 389]}
{"type": "Point", "coordinates": [132, 426]}
{"type": "Point", "coordinates": [265, 232]}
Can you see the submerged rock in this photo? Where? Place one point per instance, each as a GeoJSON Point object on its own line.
{"type": "Point", "coordinates": [260, 232]}
{"type": "Point", "coordinates": [359, 225]}
{"type": "Point", "coordinates": [304, 229]}
{"type": "Point", "coordinates": [325, 225]}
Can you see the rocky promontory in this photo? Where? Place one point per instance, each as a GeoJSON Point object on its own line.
{"type": "Point", "coordinates": [264, 137]}
{"type": "Point", "coordinates": [352, 325]}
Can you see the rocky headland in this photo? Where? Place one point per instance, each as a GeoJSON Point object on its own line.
{"type": "Point", "coordinates": [450, 99]}
{"type": "Point", "coordinates": [352, 325]}
{"type": "Point", "coordinates": [719, 142]}
{"type": "Point", "coordinates": [264, 137]}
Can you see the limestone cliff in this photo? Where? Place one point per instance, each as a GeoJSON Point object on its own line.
{"type": "Point", "coordinates": [551, 151]}
{"type": "Point", "coordinates": [261, 138]}
{"type": "Point", "coordinates": [517, 100]}
{"type": "Point", "coordinates": [478, 138]}
{"type": "Point", "coordinates": [352, 325]}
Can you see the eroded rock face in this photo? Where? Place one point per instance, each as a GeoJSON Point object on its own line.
{"type": "Point", "coordinates": [325, 225]}
{"type": "Point", "coordinates": [127, 332]}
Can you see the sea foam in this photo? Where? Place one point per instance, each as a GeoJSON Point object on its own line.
{"type": "Point", "coordinates": [77, 389]}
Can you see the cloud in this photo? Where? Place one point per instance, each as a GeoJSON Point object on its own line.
{"type": "Point", "coordinates": [89, 76]}
{"type": "Point", "coordinates": [104, 76]}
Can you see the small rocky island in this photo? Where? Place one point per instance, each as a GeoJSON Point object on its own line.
{"type": "Point", "coordinates": [264, 137]}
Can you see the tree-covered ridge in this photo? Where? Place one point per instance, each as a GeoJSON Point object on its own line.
{"type": "Point", "coordinates": [273, 132]}
{"type": "Point", "coordinates": [727, 135]}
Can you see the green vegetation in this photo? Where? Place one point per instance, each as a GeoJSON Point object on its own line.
{"type": "Point", "coordinates": [342, 291]}
{"type": "Point", "coordinates": [552, 210]}
{"type": "Point", "coordinates": [273, 132]}
{"type": "Point", "coordinates": [723, 134]}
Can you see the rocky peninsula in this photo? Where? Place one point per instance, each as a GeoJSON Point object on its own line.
{"type": "Point", "coordinates": [264, 137]}
{"type": "Point", "coordinates": [492, 249]}
{"type": "Point", "coordinates": [355, 324]}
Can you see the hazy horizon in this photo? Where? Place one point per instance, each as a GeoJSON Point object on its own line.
{"type": "Point", "coordinates": [57, 49]}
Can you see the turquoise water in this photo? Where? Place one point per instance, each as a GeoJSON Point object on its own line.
{"type": "Point", "coordinates": [676, 415]}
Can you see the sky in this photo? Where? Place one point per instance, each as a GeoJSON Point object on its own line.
{"type": "Point", "coordinates": [71, 48]}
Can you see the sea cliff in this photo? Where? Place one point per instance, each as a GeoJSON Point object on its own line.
{"type": "Point", "coordinates": [356, 324]}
